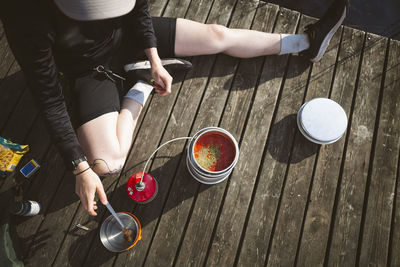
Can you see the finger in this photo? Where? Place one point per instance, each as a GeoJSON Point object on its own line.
{"type": "Point", "coordinates": [161, 84]}
{"type": "Point", "coordinates": [83, 200]}
{"type": "Point", "coordinates": [102, 194]}
{"type": "Point", "coordinates": [158, 89]}
{"type": "Point", "coordinates": [163, 92]}
{"type": "Point", "coordinates": [167, 87]}
{"type": "Point", "coordinates": [90, 203]}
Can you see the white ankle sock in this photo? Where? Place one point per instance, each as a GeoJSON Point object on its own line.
{"type": "Point", "coordinates": [294, 43]}
{"type": "Point", "coordinates": [140, 92]}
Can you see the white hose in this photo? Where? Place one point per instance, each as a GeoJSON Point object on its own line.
{"type": "Point", "coordinates": [175, 139]}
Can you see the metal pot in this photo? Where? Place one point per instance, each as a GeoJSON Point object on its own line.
{"type": "Point", "coordinates": [112, 236]}
{"type": "Point", "coordinates": [199, 173]}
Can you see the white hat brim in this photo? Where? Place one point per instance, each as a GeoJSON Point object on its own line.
{"type": "Point", "coordinates": [86, 10]}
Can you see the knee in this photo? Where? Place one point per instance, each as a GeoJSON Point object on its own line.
{"type": "Point", "coordinates": [108, 167]}
{"type": "Point", "coordinates": [219, 36]}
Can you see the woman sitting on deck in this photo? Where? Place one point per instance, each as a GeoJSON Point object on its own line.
{"type": "Point", "coordinates": [91, 41]}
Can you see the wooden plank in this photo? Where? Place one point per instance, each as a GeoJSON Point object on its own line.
{"type": "Point", "coordinates": [164, 168]}
{"type": "Point", "coordinates": [1, 30]}
{"type": "Point", "coordinates": [394, 244]}
{"type": "Point", "coordinates": [177, 8]}
{"type": "Point", "coordinates": [179, 125]}
{"type": "Point", "coordinates": [57, 182]}
{"type": "Point", "coordinates": [77, 242]}
{"type": "Point", "coordinates": [318, 217]}
{"type": "Point", "coordinates": [279, 144]}
{"type": "Point", "coordinates": [199, 230]}
{"type": "Point", "coordinates": [21, 119]}
{"type": "Point", "coordinates": [197, 8]}
{"type": "Point", "coordinates": [6, 60]}
{"type": "Point", "coordinates": [12, 85]}
{"type": "Point", "coordinates": [252, 251]}
{"type": "Point", "coordinates": [6, 57]}
{"type": "Point", "coordinates": [299, 176]}
{"type": "Point", "coordinates": [13, 113]}
{"type": "Point", "coordinates": [157, 7]}
{"type": "Point", "coordinates": [47, 254]}
{"type": "Point", "coordinates": [183, 191]}
{"type": "Point", "coordinates": [52, 229]}
{"type": "Point", "coordinates": [42, 191]}
{"type": "Point", "coordinates": [50, 177]}
{"type": "Point", "coordinates": [151, 131]}
{"type": "Point", "coordinates": [376, 232]}
{"type": "Point", "coordinates": [39, 142]}
{"type": "Point", "coordinates": [20, 122]}
{"type": "Point", "coordinates": [393, 80]}
{"type": "Point", "coordinates": [214, 91]}
{"type": "Point", "coordinates": [346, 226]}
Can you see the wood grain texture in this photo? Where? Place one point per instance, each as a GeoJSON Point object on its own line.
{"type": "Point", "coordinates": [378, 218]}
{"type": "Point", "coordinates": [65, 230]}
{"type": "Point", "coordinates": [300, 174]}
{"type": "Point", "coordinates": [21, 119]}
{"type": "Point", "coordinates": [230, 223]}
{"type": "Point", "coordinates": [157, 7]}
{"type": "Point", "coordinates": [147, 140]}
{"type": "Point", "coordinates": [392, 80]}
{"type": "Point", "coordinates": [33, 188]}
{"type": "Point", "coordinates": [318, 217]}
{"type": "Point", "coordinates": [164, 167]}
{"type": "Point", "coordinates": [1, 30]}
{"type": "Point", "coordinates": [185, 187]}
{"type": "Point", "coordinates": [256, 234]}
{"type": "Point", "coordinates": [6, 57]}
{"type": "Point", "coordinates": [77, 242]}
{"type": "Point", "coordinates": [199, 232]}
{"type": "Point", "coordinates": [12, 85]}
{"type": "Point", "coordinates": [288, 202]}
{"type": "Point", "coordinates": [346, 226]}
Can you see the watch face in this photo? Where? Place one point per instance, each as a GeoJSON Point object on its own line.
{"type": "Point", "coordinates": [77, 161]}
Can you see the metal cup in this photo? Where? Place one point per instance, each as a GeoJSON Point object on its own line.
{"type": "Point", "coordinates": [112, 236]}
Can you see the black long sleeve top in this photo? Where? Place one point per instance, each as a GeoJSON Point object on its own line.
{"type": "Point", "coordinates": [46, 42]}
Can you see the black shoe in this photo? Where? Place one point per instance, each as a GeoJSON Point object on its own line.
{"type": "Point", "coordinates": [141, 70]}
{"type": "Point", "coordinates": [321, 32]}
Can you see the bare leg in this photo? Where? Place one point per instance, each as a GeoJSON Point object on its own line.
{"type": "Point", "coordinates": [194, 38]}
{"type": "Point", "coordinates": [109, 137]}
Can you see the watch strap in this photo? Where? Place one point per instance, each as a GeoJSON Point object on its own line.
{"type": "Point", "coordinates": [76, 162]}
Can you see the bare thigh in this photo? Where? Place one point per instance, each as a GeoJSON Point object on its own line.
{"type": "Point", "coordinates": [98, 138]}
{"type": "Point", "coordinates": [193, 38]}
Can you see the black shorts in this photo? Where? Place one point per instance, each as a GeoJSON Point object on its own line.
{"type": "Point", "coordinates": [94, 95]}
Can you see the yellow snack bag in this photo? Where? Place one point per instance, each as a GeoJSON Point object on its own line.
{"type": "Point", "coordinates": [10, 155]}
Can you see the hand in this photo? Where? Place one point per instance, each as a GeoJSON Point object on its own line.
{"type": "Point", "coordinates": [162, 80]}
{"type": "Point", "coordinates": [86, 185]}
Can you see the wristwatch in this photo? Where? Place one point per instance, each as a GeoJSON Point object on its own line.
{"type": "Point", "coordinates": [75, 162]}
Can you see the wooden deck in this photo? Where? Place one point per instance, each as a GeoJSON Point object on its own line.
{"type": "Point", "coordinates": [288, 201]}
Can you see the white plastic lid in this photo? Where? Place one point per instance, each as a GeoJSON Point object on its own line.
{"type": "Point", "coordinates": [323, 119]}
